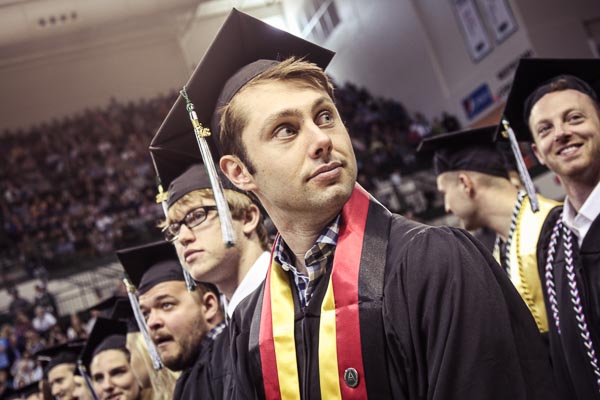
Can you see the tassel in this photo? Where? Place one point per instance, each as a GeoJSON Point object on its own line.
{"type": "Point", "coordinates": [135, 306]}
{"type": "Point", "coordinates": [201, 134]}
{"type": "Point", "coordinates": [86, 378]}
{"type": "Point", "coordinates": [527, 182]}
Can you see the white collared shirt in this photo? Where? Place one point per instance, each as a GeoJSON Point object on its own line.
{"type": "Point", "coordinates": [580, 222]}
{"type": "Point", "coordinates": [255, 276]}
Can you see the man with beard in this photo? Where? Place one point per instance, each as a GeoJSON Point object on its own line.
{"type": "Point", "coordinates": [182, 324]}
{"type": "Point", "coordinates": [555, 105]}
{"type": "Point", "coordinates": [357, 302]}
{"type": "Point", "coordinates": [472, 175]}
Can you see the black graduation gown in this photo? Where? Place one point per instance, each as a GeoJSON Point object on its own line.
{"type": "Point", "coordinates": [570, 362]}
{"type": "Point", "coordinates": [449, 325]}
{"type": "Point", "coordinates": [210, 377]}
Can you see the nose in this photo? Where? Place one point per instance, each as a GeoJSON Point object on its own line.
{"type": "Point", "coordinates": [154, 322]}
{"type": "Point", "coordinates": [562, 133]}
{"type": "Point", "coordinates": [107, 385]}
{"type": "Point", "coordinates": [186, 235]}
{"type": "Point", "coordinates": [447, 206]}
{"type": "Point", "coordinates": [321, 144]}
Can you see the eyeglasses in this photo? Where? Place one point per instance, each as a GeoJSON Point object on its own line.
{"type": "Point", "coordinates": [192, 219]}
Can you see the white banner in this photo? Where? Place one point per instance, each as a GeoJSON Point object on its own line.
{"type": "Point", "coordinates": [500, 18]}
{"type": "Point", "coordinates": [476, 37]}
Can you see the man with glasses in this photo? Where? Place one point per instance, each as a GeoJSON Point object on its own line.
{"type": "Point", "coordinates": [193, 227]}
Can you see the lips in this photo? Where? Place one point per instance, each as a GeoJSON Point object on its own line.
{"type": "Point", "coordinates": [325, 168]}
{"type": "Point", "coordinates": [161, 339]}
{"type": "Point", "coordinates": [567, 150]}
{"type": "Point", "coordinates": [189, 253]}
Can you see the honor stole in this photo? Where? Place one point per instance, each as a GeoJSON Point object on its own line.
{"type": "Point", "coordinates": [339, 330]}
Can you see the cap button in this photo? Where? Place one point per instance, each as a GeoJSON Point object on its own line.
{"type": "Point", "coordinates": [351, 377]}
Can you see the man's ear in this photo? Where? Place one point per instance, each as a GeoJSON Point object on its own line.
{"type": "Point", "coordinates": [210, 306]}
{"type": "Point", "coordinates": [235, 170]}
{"type": "Point", "coordinates": [466, 184]}
{"type": "Point", "coordinates": [252, 217]}
{"type": "Point", "coordinates": [537, 153]}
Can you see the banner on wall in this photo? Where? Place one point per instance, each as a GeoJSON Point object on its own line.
{"type": "Point", "coordinates": [500, 18]}
{"type": "Point", "coordinates": [476, 37]}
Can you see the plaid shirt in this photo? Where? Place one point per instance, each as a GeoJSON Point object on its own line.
{"type": "Point", "coordinates": [318, 259]}
{"type": "Point", "coordinates": [216, 331]}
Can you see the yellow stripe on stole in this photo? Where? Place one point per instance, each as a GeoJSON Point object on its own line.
{"type": "Point", "coordinates": [328, 361]}
{"type": "Point", "coordinates": [282, 307]}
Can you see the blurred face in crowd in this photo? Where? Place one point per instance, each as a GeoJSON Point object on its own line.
{"type": "Point", "coordinates": [81, 391]}
{"type": "Point", "coordinates": [456, 189]}
{"type": "Point", "coordinates": [112, 376]}
{"type": "Point", "coordinates": [299, 148]}
{"type": "Point", "coordinates": [178, 320]}
{"type": "Point", "coordinates": [566, 128]}
{"type": "Point", "coordinates": [61, 380]}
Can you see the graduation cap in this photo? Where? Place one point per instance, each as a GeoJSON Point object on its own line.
{"type": "Point", "coordinates": [533, 79]}
{"type": "Point", "coordinates": [122, 311]}
{"type": "Point", "coordinates": [107, 334]}
{"type": "Point", "coordinates": [105, 306]}
{"type": "Point", "coordinates": [469, 150]}
{"type": "Point", "coordinates": [243, 48]}
{"type": "Point", "coordinates": [23, 392]}
{"type": "Point", "coordinates": [66, 353]}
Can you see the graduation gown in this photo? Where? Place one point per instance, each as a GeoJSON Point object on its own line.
{"type": "Point", "coordinates": [210, 376]}
{"type": "Point", "coordinates": [574, 374]}
{"type": "Point", "coordinates": [439, 319]}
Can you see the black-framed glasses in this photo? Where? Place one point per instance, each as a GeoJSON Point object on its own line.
{"type": "Point", "coordinates": [192, 219]}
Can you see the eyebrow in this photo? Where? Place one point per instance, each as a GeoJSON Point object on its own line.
{"type": "Point", "coordinates": [293, 112]}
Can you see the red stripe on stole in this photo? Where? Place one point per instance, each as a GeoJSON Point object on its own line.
{"type": "Point", "coordinates": [267, 344]}
{"type": "Point", "coordinates": [345, 273]}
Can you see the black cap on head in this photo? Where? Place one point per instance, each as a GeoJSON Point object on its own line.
{"type": "Point", "coordinates": [533, 79]}
{"type": "Point", "coordinates": [151, 264]}
{"type": "Point", "coordinates": [466, 150]}
{"type": "Point", "coordinates": [107, 334]}
{"type": "Point", "coordinates": [105, 306]}
{"type": "Point", "coordinates": [66, 353]}
{"type": "Point", "coordinates": [122, 311]}
{"type": "Point", "coordinates": [194, 178]}
{"type": "Point", "coordinates": [243, 48]}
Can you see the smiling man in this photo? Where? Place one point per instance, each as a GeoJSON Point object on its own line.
{"type": "Point", "coordinates": [182, 324]}
{"type": "Point", "coordinates": [553, 104]}
{"type": "Point", "coordinates": [60, 369]}
{"type": "Point", "coordinates": [357, 302]}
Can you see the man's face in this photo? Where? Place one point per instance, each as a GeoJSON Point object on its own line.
{"type": "Point", "coordinates": [112, 376]}
{"type": "Point", "coordinates": [566, 129]}
{"type": "Point", "coordinates": [81, 391]}
{"type": "Point", "coordinates": [61, 381]}
{"type": "Point", "coordinates": [299, 147]}
{"type": "Point", "coordinates": [177, 322]}
{"type": "Point", "coordinates": [457, 200]}
{"type": "Point", "coordinates": [201, 249]}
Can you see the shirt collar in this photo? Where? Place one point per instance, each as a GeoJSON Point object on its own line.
{"type": "Point", "coordinates": [580, 222]}
{"type": "Point", "coordinates": [255, 276]}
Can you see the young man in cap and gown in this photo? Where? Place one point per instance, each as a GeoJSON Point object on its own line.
{"type": "Point", "coordinates": [357, 302]}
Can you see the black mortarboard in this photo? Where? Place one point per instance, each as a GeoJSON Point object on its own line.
{"type": "Point", "coordinates": [151, 264]}
{"type": "Point", "coordinates": [243, 48]}
{"type": "Point", "coordinates": [107, 334]}
{"type": "Point", "coordinates": [65, 353]}
{"type": "Point", "coordinates": [106, 305]}
{"type": "Point", "coordinates": [531, 80]}
{"type": "Point", "coordinates": [23, 392]}
{"type": "Point", "coordinates": [122, 311]}
{"type": "Point", "coordinates": [469, 150]}
{"type": "Point", "coordinates": [194, 178]}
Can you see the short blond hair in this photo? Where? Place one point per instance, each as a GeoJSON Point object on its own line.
{"type": "Point", "coordinates": [239, 204]}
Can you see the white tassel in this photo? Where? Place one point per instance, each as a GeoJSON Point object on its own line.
{"type": "Point", "coordinates": [527, 182]}
{"type": "Point", "coordinates": [135, 306]}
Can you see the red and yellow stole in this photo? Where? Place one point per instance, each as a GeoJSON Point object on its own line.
{"type": "Point", "coordinates": [339, 330]}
